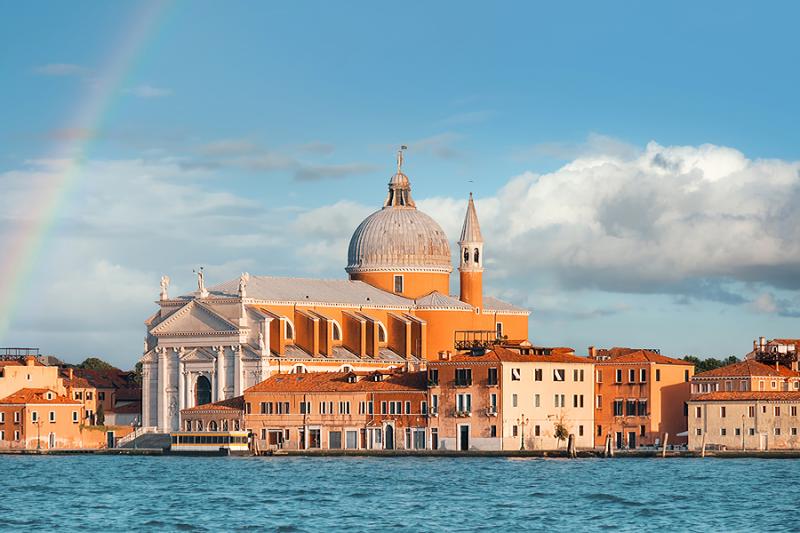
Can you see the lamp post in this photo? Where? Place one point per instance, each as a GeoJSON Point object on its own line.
{"type": "Point", "coordinates": [521, 421]}
{"type": "Point", "coordinates": [742, 431]}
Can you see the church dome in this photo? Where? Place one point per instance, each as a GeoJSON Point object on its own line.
{"type": "Point", "coordinates": [399, 236]}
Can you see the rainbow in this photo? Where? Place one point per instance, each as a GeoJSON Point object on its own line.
{"type": "Point", "coordinates": [63, 166]}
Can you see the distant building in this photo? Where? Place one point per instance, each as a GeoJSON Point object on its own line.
{"type": "Point", "coordinates": [394, 311]}
{"type": "Point", "coordinates": [503, 399]}
{"type": "Point", "coordinates": [40, 418]}
{"type": "Point", "coordinates": [747, 375]}
{"type": "Point", "coordinates": [639, 395]}
{"type": "Point", "coordinates": [749, 420]}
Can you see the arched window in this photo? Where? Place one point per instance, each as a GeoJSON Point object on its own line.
{"type": "Point", "coordinates": [225, 425]}
{"type": "Point", "coordinates": [199, 426]}
{"type": "Point", "coordinates": [289, 330]}
{"type": "Point", "coordinates": [212, 426]}
{"type": "Point", "coordinates": [203, 388]}
{"type": "Point", "coordinates": [337, 331]}
{"type": "Point", "coordinates": [466, 255]}
{"type": "Point", "coordinates": [381, 332]}
{"type": "Point", "coordinates": [188, 425]}
{"type": "Point", "coordinates": [476, 255]}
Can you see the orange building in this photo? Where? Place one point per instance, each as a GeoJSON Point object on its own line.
{"type": "Point", "coordinates": [394, 311]}
{"type": "Point", "coordinates": [639, 396]}
{"type": "Point", "coordinates": [40, 419]}
{"type": "Point", "coordinates": [339, 410]}
{"type": "Point", "coordinates": [747, 375]}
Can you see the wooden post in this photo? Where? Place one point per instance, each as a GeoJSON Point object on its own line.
{"type": "Point", "coordinates": [571, 446]}
{"type": "Point", "coordinates": [609, 451]}
{"type": "Point", "coordinates": [703, 449]}
{"type": "Point", "coordinates": [664, 449]}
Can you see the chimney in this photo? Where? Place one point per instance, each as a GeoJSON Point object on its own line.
{"type": "Point", "coordinates": [70, 373]}
{"type": "Point", "coordinates": [592, 352]}
{"type": "Point", "coordinates": [30, 360]}
{"type": "Point", "coordinates": [762, 341]}
{"type": "Point", "coordinates": [755, 345]}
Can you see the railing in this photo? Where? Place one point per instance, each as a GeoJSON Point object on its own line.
{"type": "Point", "coordinates": [130, 437]}
{"type": "Point", "coordinates": [476, 339]}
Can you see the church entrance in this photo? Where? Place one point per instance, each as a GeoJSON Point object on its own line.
{"type": "Point", "coordinates": [203, 388]}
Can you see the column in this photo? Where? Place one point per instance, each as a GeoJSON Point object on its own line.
{"type": "Point", "coordinates": [146, 391]}
{"type": "Point", "coordinates": [161, 389]}
{"type": "Point", "coordinates": [220, 373]}
{"type": "Point", "coordinates": [181, 385]}
{"type": "Point", "coordinates": [237, 371]}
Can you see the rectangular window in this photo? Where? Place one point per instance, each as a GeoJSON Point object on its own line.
{"type": "Point", "coordinates": [384, 409]}
{"type": "Point", "coordinates": [599, 431]}
{"type": "Point", "coordinates": [492, 377]}
{"type": "Point", "coordinates": [777, 432]}
{"type": "Point", "coordinates": [408, 408]}
{"type": "Point", "coordinates": [247, 408]}
{"type": "Point", "coordinates": [434, 402]}
{"type": "Point", "coordinates": [434, 438]}
{"type": "Point", "coordinates": [751, 411]}
{"type": "Point", "coordinates": [362, 408]}
{"type": "Point", "coordinates": [2, 418]}
{"type": "Point", "coordinates": [514, 431]}
{"type": "Point", "coordinates": [370, 408]}
{"type": "Point", "coordinates": [643, 375]}
{"type": "Point", "coordinates": [752, 431]}
{"type": "Point", "coordinates": [599, 402]}
{"type": "Point", "coordinates": [630, 408]}
{"type": "Point", "coordinates": [100, 395]}
{"type": "Point", "coordinates": [793, 410]}
{"type": "Point", "coordinates": [558, 400]}
{"type": "Point", "coordinates": [516, 374]}
{"type": "Point", "coordinates": [34, 416]}
{"type": "Point", "coordinates": [464, 403]}
{"type": "Point", "coordinates": [493, 402]}
{"type": "Point", "coordinates": [75, 417]}
{"type": "Point", "coordinates": [335, 440]}
{"type": "Point", "coordinates": [537, 374]}
{"type": "Point", "coordinates": [493, 431]}
{"type": "Point", "coordinates": [398, 283]}
{"type": "Point", "coordinates": [558, 374]}
{"type": "Point", "coordinates": [433, 377]}
{"type": "Point", "coordinates": [642, 431]}
{"type": "Point", "coordinates": [618, 376]}
{"type": "Point", "coordinates": [723, 431]}
{"type": "Point", "coordinates": [52, 416]}
{"type": "Point", "coordinates": [16, 435]}
{"type": "Point", "coordinates": [698, 412]}
{"type": "Point", "coordinates": [698, 432]}
{"type": "Point", "coordinates": [351, 440]}
{"type": "Point", "coordinates": [617, 407]}
{"type": "Point", "coordinates": [642, 408]}
{"type": "Point", "coordinates": [392, 410]}
{"type": "Point", "coordinates": [631, 375]}
{"type": "Point", "coordinates": [737, 432]}
{"type": "Point", "coordinates": [463, 377]}
{"type": "Point", "coordinates": [537, 431]}
{"type": "Point", "coordinates": [599, 376]}
{"type": "Point", "coordinates": [658, 374]}
{"type": "Point", "coordinates": [423, 407]}
{"type": "Point", "coordinates": [498, 330]}
{"type": "Point", "coordinates": [514, 400]}
{"type": "Point", "coordinates": [537, 400]}
{"type": "Point", "coordinates": [777, 410]}
{"type": "Point", "coordinates": [723, 411]}
{"type": "Point", "coordinates": [794, 432]}
{"type": "Point", "coordinates": [263, 408]}
{"type": "Point", "coordinates": [686, 376]}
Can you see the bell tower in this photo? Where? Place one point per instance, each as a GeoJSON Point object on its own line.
{"type": "Point", "coordinates": [471, 263]}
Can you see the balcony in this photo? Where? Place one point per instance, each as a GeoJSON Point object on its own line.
{"type": "Point", "coordinates": [475, 340]}
{"type": "Point", "coordinates": [462, 414]}
{"type": "Point", "coordinates": [491, 411]}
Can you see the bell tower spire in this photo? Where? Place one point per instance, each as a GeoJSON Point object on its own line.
{"type": "Point", "coordinates": [471, 263]}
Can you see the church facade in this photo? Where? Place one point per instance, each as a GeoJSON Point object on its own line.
{"type": "Point", "coordinates": [394, 311]}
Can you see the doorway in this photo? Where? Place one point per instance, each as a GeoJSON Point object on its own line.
{"type": "Point", "coordinates": [463, 438]}
{"type": "Point", "coordinates": [388, 442]}
{"type": "Point", "coordinates": [203, 388]}
{"type": "Point", "coordinates": [52, 440]}
{"type": "Point", "coordinates": [631, 440]}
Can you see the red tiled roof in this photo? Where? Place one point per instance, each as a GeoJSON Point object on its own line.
{"type": "Point", "coordinates": [788, 396]}
{"type": "Point", "coordinates": [337, 382]}
{"type": "Point", "coordinates": [231, 404]}
{"type": "Point", "coordinates": [129, 394]}
{"type": "Point", "coordinates": [625, 355]}
{"type": "Point", "coordinates": [510, 356]}
{"type": "Point", "coordinates": [27, 396]}
{"type": "Point", "coordinates": [747, 368]}
{"type": "Point", "coordinates": [105, 379]}
{"type": "Point", "coordinates": [128, 409]}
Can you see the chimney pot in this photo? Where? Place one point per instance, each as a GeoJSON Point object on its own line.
{"type": "Point", "coordinates": [30, 360]}
{"type": "Point", "coordinates": [592, 351]}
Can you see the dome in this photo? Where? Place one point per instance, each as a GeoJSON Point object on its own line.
{"type": "Point", "coordinates": [399, 239]}
{"type": "Point", "coordinates": [399, 236]}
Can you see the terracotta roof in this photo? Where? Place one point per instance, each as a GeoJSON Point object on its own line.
{"type": "Point", "coordinates": [10, 363]}
{"type": "Point", "coordinates": [127, 409]}
{"type": "Point", "coordinates": [510, 356]}
{"type": "Point", "coordinates": [26, 396]}
{"type": "Point", "coordinates": [639, 356]}
{"type": "Point", "coordinates": [129, 394]}
{"type": "Point", "coordinates": [105, 379]}
{"type": "Point", "coordinates": [337, 382]}
{"type": "Point", "coordinates": [231, 404]}
{"type": "Point", "coordinates": [748, 367]}
{"type": "Point", "coordinates": [789, 396]}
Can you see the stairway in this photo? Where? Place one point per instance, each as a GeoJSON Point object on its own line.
{"type": "Point", "coordinates": [149, 440]}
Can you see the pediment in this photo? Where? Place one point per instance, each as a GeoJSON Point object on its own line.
{"type": "Point", "coordinates": [194, 319]}
{"type": "Point", "coordinates": [198, 355]}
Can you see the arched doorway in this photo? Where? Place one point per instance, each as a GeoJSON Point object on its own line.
{"type": "Point", "coordinates": [52, 440]}
{"type": "Point", "coordinates": [203, 388]}
{"type": "Point", "coordinates": [388, 441]}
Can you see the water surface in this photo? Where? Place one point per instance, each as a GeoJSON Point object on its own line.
{"type": "Point", "coordinates": [106, 493]}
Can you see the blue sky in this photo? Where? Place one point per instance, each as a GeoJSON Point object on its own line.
{"type": "Point", "coordinates": [255, 135]}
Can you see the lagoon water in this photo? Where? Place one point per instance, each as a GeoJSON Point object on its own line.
{"type": "Point", "coordinates": [117, 493]}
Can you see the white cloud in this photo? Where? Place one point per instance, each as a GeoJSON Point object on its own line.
{"type": "Point", "coordinates": [148, 91]}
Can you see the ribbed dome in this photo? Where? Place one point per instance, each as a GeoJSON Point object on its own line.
{"type": "Point", "coordinates": [399, 237]}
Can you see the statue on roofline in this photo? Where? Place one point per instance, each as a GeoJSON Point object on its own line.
{"type": "Point", "coordinates": [164, 287]}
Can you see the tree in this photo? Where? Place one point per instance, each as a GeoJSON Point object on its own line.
{"type": "Point", "coordinates": [95, 363]}
{"type": "Point", "coordinates": [100, 416]}
{"type": "Point", "coordinates": [137, 374]}
{"type": "Point", "coordinates": [704, 365]}
{"type": "Point", "coordinates": [560, 430]}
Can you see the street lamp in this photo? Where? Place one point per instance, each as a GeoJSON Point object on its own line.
{"type": "Point", "coordinates": [742, 431]}
{"type": "Point", "coordinates": [521, 421]}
